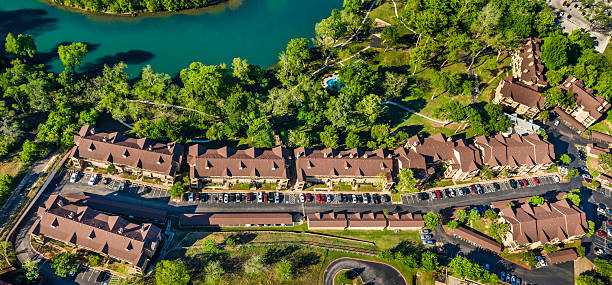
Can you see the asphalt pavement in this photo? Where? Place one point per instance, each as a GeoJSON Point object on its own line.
{"type": "Point", "coordinates": [373, 273]}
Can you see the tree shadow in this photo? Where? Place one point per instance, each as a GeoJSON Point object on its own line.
{"type": "Point", "coordinates": [26, 21]}
{"type": "Point", "coordinates": [304, 260]}
{"type": "Point", "coordinates": [129, 57]}
{"type": "Point", "coordinates": [274, 255]}
{"type": "Point", "coordinates": [47, 57]}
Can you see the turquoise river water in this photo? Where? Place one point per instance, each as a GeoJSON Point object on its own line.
{"type": "Point", "coordinates": [257, 30]}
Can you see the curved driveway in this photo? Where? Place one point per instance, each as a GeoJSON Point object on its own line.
{"type": "Point", "coordinates": [371, 272]}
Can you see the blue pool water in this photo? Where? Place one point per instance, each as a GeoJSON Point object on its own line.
{"type": "Point", "coordinates": [335, 84]}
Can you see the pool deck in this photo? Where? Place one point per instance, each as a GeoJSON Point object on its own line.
{"type": "Point", "coordinates": [326, 78]}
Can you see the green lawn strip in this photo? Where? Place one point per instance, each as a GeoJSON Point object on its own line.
{"type": "Point", "coordinates": [385, 11]}
{"type": "Point", "coordinates": [602, 127]}
{"type": "Point", "coordinates": [383, 239]}
{"type": "Point", "coordinates": [608, 51]}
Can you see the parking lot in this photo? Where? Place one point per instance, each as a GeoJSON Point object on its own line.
{"type": "Point", "coordinates": [477, 189]}
{"type": "Point", "coordinates": [571, 18]}
{"type": "Point", "coordinates": [193, 198]}
{"type": "Point", "coordinates": [601, 238]}
{"type": "Point", "coordinates": [127, 187]}
{"type": "Point", "coordinates": [87, 275]}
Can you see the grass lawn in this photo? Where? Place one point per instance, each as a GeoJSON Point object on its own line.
{"type": "Point", "coordinates": [383, 239]}
{"type": "Point", "coordinates": [480, 226]}
{"type": "Point", "coordinates": [608, 51]}
{"type": "Point", "coordinates": [602, 127]}
{"type": "Point", "coordinates": [11, 166]}
{"type": "Point", "coordinates": [385, 12]}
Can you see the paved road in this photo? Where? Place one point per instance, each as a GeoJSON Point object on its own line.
{"type": "Point", "coordinates": [573, 20]}
{"type": "Point", "coordinates": [370, 272]}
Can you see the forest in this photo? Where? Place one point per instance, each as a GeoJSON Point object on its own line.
{"type": "Point", "coordinates": [131, 6]}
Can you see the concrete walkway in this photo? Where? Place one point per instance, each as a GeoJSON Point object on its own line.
{"type": "Point", "coordinates": [444, 123]}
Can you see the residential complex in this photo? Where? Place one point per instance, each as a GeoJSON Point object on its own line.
{"type": "Point", "coordinates": [588, 108]}
{"type": "Point", "coordinates": [236, 220]}
{"type": "Point", "coordinates": [225, 166]}
{"type": "Point", "coordinates": [516, 154]}
{"type": "Point", "coordinates": [521, 98]}
{"type": "Point", "coordinates": [526, 64]}
{"type": "Point", "coordinates": [86, 228]}
{"type": "Point", "coordinates": [332, 220]}
{"type": "Point", "coordinates": [534, 226]}
{"type": "Point", "coordinates": [477, 239]}
{"type": "Point", "coordinates": [331, 166]}
{"type": "Point", "coordinates": [143, 157]}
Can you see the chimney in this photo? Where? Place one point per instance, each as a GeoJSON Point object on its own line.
{"type": "Point", "coordinates": [351, 155]}
{"type": "Point", "coordinates": [325, 154]}
{"type": "Point", "coordinates": [104, 139]}
{"type": "Point", "coordinates": [120, 231]}
{"type": "Point", "coordinates": [169, 147]}
{"type": "Point", "coordinates": [389, 155]}
{"type": "Point", "coordinates": [91, 131]}
{"type": "Point", "coordinates": [150, 147]}
{"type": "Point", "coordinates": [71, 215]}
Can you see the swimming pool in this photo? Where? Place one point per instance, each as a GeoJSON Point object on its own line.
{"type": "Point", "coordinates": [335, 84]}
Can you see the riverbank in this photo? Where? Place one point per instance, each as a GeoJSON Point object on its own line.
{"type": "Point", "coordinates": [215, 6]}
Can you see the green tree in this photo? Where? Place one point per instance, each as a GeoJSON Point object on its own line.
{"type": "Point", "coordinates": [536, 200]}
{"type": "Point", "coordinates": [565, 159]}
{"type": "Point", "coordinates": [297, 50]}
{"type": "Point", "coordinates": [21, 46]}
{"type": "Point", "coordinates": [63, 263]}
{"type": "Point", "coordinates": [72, 55]}
{"type": "Point", "coordinates": [389, 36]}
{"type": "Point", "coordinates": [284, 271]}
{"type": "Point", "coordinates": [177, 190]}
{"type": "Point", "coordinates": [31, 269]}
{"type": "Point", "coordinates": [231, 241]}
{"type": "Point", "coordinates": [255, 264]}
{"type": "Point", "coordinates": [329, 137]}
{"type": "Point", "coordinates": [591, 229]}
{"type": "Point", "coordinates": [95, 260]}
{"type": "Point", "coordinates": [352, 140]}
{"type": "Point", "coordinates": [299, 138]}
{"type": "Point", "coordinates": [452, 225]}
{"type": "Point", "coordinates": [210, 246]}
{"type": "Point", "coordinates": [7, 253]}
{"type": "Point", "coordinates": [431, 220]}
{"type": "Point", "coordinates": [489, 214]}
{"type": "Point", "coordinates": [555, 96]}
{"type": "Point", "coordinates": [213, 272]}
{"type": "Point", "coordinates": [429, 261]}
{"type": "Point", "coordinates": [574, 197]}
{"type": "Point", "coordinates": [554, 51]}
{"type": "Point", "coordinates": [584, 279]}
{"type": "Point", "coordinates": [581, 250]}
{"type": "Point", "coordinates": [572, 172]}
{"type": "Point", "coordinates": [169, 272]}
{"type": "Point", "coordinates": [604, 267]}
{"type": "Point", "coordinates": [352, 6]}
{"type": "Point", "coordinates": [605, 159]}
{"type": "Point", "coordinates": [461, 215]}
{"type": "Point", "coordinates": [407, 182]}
{"type": "Point", "coordinates": [370, 108]}
{"type": "Point", "coordinates": [554, 77]}
{"type": "Point", "coordinates": [30, 152]}
{"type": "Point", "coordinates": [394, 84]}
{"type": "Point", "coordinates": [260, 132]}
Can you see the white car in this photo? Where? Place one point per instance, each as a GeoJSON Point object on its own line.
{"type": "Point", "coordinates": [93, 179]}
{"type": "Point", "coordinates": [276, 197]}
{"type": "Point", "coordinates": [259, 197]}
{"type": "Point", "coordinates": [556, 178]}
{"type": "Point", "coordinates": [354, 198]}
{"type": "Point", "coordinates": [302, 198]}
{"type": "Point", "coordinates": [225, 198]}
{"type": "Point", "coordinates": [556, 123]}
{"type": "Point", "coordinates": [73, 177]}
{"type": "Point", "coordinates": [238, 198]}
{"type": "Point", "coordinates": [366, 199]}
{"type": "Point", "coordinates": [191, 197]}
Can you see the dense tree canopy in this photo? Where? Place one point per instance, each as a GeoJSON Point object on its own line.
{"type": "Point", "coordinates": [131, 6]}
{"type": "Point", "coordinates": [168, 272]}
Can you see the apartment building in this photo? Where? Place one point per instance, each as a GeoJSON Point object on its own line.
{"type": "Point", "coordinates": [526, 64]}
{"type": "Point", "coordinates": [521, 98]}
{"type": "Point", "coordinates": [330, 166]}
{"type": "Point", "coordinates": [589, 108]}
{"type": "Point", "coordinates": [225, 166]}
{"type": "Point", "coordinates": [83, 227]}
{"type": "Point", "coordinates": [517, 154]}
{"type": "Point", "coordinates": [140, 157]}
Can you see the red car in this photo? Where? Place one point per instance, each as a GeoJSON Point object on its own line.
{"type": "Point", "coordinates": [526, 182]}
{"type": "Point", "coordinates": [265, 197]}
{"type": "Point", "coordinates": [438, 194]}
{"type": "Point", "coordinates": [197, 196]}
{"type": "Point", "coordinates": [536, 181]}
{"type": "Point", "coordinates": [249, 197]}
{"type": "Point", "coordinates": [609, 222]}
{"type": "Point", "coordinates": [323, 198]}
{"type": "Point", "coordinates": [318, 197]}
{"type": "Point", "coordinates": [602, 233]}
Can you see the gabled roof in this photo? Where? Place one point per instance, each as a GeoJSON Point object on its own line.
{"type": "Point", "coordinates": [532, 68]}
{"type": "Point", "coordinates": [228, 162]}
{"type": "Point", "coordinates": [596, 106]}
{"type": "Point", "coordinates": [116, 148]}
{"type": "Point", "coordinates": [96, 231]}
{"type": "Point", "coordinates": [348, 163]}
{"type": "Point", "coordinates": [522, 93]}
{"type": "Point", "coordinates": [327, 219]}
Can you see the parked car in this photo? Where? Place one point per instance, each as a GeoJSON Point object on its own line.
{"type": "Point", "coordinates": [302, 198]}
{"type": "Point", "coordinates": [541, 260]}
{"type": "Point", "coordinates": [610, 231]}
{"type": "Point", "coordinates": [503, 276]}
{"type": "Point", "coordinates": [259, 197]}
{"type": "Point", "coordinates": [249, 197]}
{"type": "Point", "coordinates": [512, 183]}
{"type": "Point", "coordinates": [518, 281]}
{"type": "Point", "coordinates": [602, 233]}
{"type": "Point", "coordinates": [190, 197]}
{"type": "Point", "coordinates": [238, 197]}
{"type": "Point", "coordinates": [429, 242]}
{"type": "Point", "coordinates": [601, 208]}
{"type": "Point", "coordinates": [73, 177]}
{"type": "Point", "coordinates": [122, 185]}
{"type": "Point", "coordinates": [487, 267]}
{"type": "Point", "coordinates": [496, 186]}
{"type": "Point", "coordinates": [425, 231]}
{"type": "Point", "coordinates": [426, 236]}
{"type": "Point", "coordinates": [276, 198]}
{"type": "Point", "coordinates": [508, 276]}
{"type": "Point", "coordinates": [93, 179]}
{"type": "Point", "coordinates": [598, 251]}
{"type": "Point", "coordinates": [536, 180]}
{"type": "Point", "coordinates": [265, 197]}
{"type": "Point", "coordinates": [354, 198]}
{"type": "Point", "coordinates": [513, 280]}
{"type": "Point", "coordinates": [556, 179]}
{"type": "Point", "coordinates": [225, 198]}
{"type": "Point", "coordinates": [366, 198]}
{"type": "Point", "coordinates": [438, 194]}
{"type": "Point", "coordinates": [308, 197]}
{"type": "Point", "coordinates": [330, 197]}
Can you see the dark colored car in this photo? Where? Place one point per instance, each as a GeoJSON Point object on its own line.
{"type": "Point", "coordinates": [473, 188]}
{"type": "Point", "coordinates": [496, 185]}
{"type": "Point", "coordinates": [525, 182]}
{"type": "Point", "coordinates": [512, 183]}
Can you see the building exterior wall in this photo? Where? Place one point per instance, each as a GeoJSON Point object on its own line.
{"type": "Point", "coordinates": [81, 164]}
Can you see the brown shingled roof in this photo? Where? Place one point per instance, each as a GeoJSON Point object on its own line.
{"type": "Point", "coordinates": [408, 158]}
{"type": "Point", "coordinates": [329, 219]}
{"type": "Point", "coordinates": [569, 119]}
{"type": "Point", "coordinates": [562, 256]}
{"type": "Point", "coordinates": [406, 219]}
{"type": "Point", "coordinates": [234, 219]}
{"type": "Point", "coordinates": [367, 219]}
{"type": "Point", "coordinates": [478, 239]}
{"type": "Point", "coordinates": [227, 162]}
{"type": "Point", "coordinates": [119, 149]}
{"type": "Point", "coordinates": [532, 69]}
{"type": "Point", "coordinates": [522, 93]}
{"type": "Point", "coordinates": [120, 208]}
{"type": "Point", "coordinates": [95, 231]}
{"type": "Point", "coordinates": [543, 223]}
{"type": "Point", "coordinates": [596, 106]}
{"type": "Point", "coordinates": [601, 136]}
{"type": "Point", "coordinates": [348, 163]}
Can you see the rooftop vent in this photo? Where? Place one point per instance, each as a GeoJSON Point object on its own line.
{"type": "Point", "coordinates": [71, 215]}
{"type": "Point", "coordinates": [104, 138]}
{"type": "Point", "coordinates": [120, 231]}
{"type": "Point", "coordinates": [351, 155]}
{"type": "Point", "coordinates": [60, 203]}
{"type": "Point", "coordinates": [150, 147]}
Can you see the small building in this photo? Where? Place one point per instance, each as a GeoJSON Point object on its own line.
{"type": "Point", "coordinates": [563, 256]}
{"type": "Point", "coordinates": [140, 157]}
{"type": "Point", "coordinates": [119, 208]}
{"type": "Point", "coordinates": [246, 219]}
{"type": "Point", "coordinates": [327, 221]}
{"type": "Point", "coordinates": [589, 108]}
{"type": "Point", "coordinates": [522, 99]}
{"type": "Point", "coordinates": [405, 221]}
{"type": "Point", "coordinates": [367, 221]}
{"type": "Point", "coordinates": [409, 159]}
{"type": "Point", "coordinates": [594, 151]}
{"type": "Point", "coordinates": [226, 166]}
{"type": "Point", "coordinates": [604, 138]}
{"type": "Point", "coordinates": [477, 239]}
{"type": "Point", "coordinates": [83, 227]}
{"type": "Point", "coordinates": [330, 166]}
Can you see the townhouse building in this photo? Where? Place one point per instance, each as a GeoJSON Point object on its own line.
{"type": "Point", "coordinates": [226, 166]}
{"type": "Point", "coordinates": [526, 64]}
{"type": "Point", "coordinates": [518, 155]}
{"type": "Point", "coordinates": [589, 108]}
{"type": "Point", "coordinates": [83, 227]}
{"type": "Point", "coordinates": [521, 98]}
{"type": "Point", "coordinates": [140, 157]}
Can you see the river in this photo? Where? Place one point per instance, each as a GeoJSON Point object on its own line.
{"type": "Point", "coordinates": [257, 30]}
